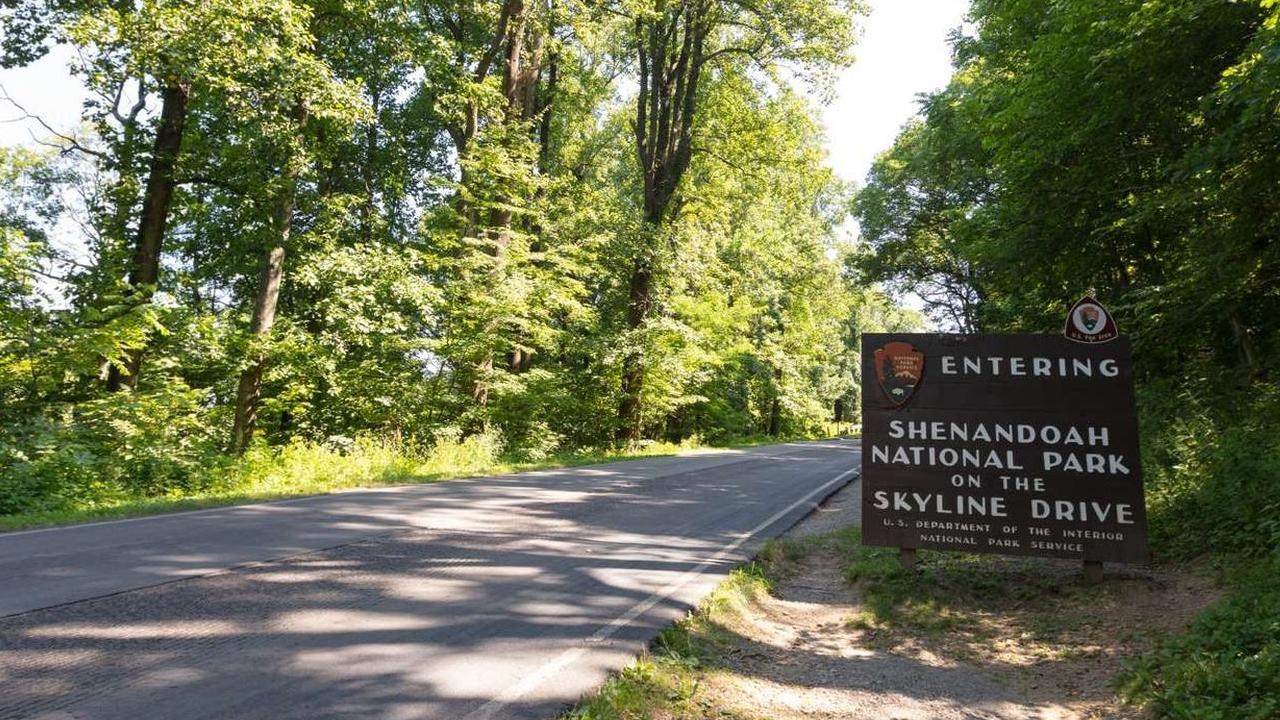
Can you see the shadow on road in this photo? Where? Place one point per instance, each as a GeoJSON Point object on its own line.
{"type": "Point", "coordinates": [456, 596]}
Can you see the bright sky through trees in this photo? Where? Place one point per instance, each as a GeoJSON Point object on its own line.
{"type": "Point", "coordinates": [903, 52]}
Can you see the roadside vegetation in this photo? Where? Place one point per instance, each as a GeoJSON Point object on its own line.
{"type": "Point", "coordinates": [301, 244]}
{"type": "Point", "coordinates": [1129, 149]}
{"type": "Point", "coordinates": [303, 468]}
{"type": "Point", "coordinates": [666, 681]}
{"type": "Point", "coordinates": [799, 622]}
{"type": "Point", "coordinates": [292, 246]}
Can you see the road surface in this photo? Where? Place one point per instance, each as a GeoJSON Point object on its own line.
{"type": "Point", "coordinates": [501, 597]}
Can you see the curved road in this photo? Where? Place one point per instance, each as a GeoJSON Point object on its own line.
{"type": "Point", "coordinates": [498, 597]}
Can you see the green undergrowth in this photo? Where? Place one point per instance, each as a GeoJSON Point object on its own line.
{"type": "Point", "coordinates": [667, 679]}
{"type": "Point", "coordinates": [946, 591]}
{"type": "Point", "coordinates": [1227, 665]}
{"type": "Point", "coordinates": [302, 468]}
{"type": "Point", "coordinates": [1212, 454]}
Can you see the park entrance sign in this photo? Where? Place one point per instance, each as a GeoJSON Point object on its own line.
{"type": "Point", "coordinates": [1016, 444]}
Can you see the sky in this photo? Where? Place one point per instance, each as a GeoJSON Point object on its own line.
{"type": "Point", "coordinates": [903, 52]}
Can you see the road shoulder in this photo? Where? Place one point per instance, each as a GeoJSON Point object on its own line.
{"type": "Point", "coordinates": [822, 627]}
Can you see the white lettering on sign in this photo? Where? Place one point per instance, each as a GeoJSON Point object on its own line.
{"type": "Point", "coordinates": [1082, 511]}
{"type": "Point", "coordinates": [1020, 444]}
{"type": "Point", "coordinates": [1032, 367]}
{"type": "Point", "coordinates": [944, 457]}
{"type": "Point", "coordinates": [1093, 463]}
{"type": "Point", "coordinates": [1013, 433]}
{"type": "Point", "coordinates": [943, 504]}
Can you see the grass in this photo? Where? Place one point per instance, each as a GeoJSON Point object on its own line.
{"type": "Point", "coordinates": [936, 596]}
{"type": "Point", "coordinates": [667, 680]}
{"type": "Point", "coordinates": [947, 591]}
{"type": "Point", "coordinates": [302, 469]}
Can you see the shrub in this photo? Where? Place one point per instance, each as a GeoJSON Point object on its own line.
{"type": "Point", "coordinates": [452, 453]}
{"type": "Point", "coordinates": [133, 444]}
{"type": "Point", "coordinates": [1212, 455]}
{"type": "Point", "coordinates": [1227, 667]}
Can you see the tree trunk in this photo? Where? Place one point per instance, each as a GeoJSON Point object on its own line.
{"type": "Point", "coordinates": [1247, 348]}
{"type": "Point", "coordinates": [639, 298]}
{"type": "Point", "coordinates": [264, 316]}
{"type": "Point", "coordinates": [775, 407]}
{"type": "Point", "coordinates": [480, 389]}
{"type": "Point", "coordinates": [370, 151]}
{"type": "Point", "coordinates": [544, 114]}
{"type": "Point", "coordinates": [145, 266]}
{"type": "Point", "coordinates": [514, 89]}
{"type": "Point", "coordinates": [671, 60]}
{"type": "Point", "coordinates": [264, 305]}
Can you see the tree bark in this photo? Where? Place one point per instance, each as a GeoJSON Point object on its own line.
{"type": "Point", "coordinates": [639, 298]}
{"type": "Point", "coordinates": [671, 58]}
{"type": "Point", "coordinates": [515, 81]}
{"type": "Point", "coordinates": [480, 389]}
{"type": "Point", "coordinates": [145, 267]}
{"type": "Point", "coordinates": [544, 114]}
{"type": "Point", "coordinates": [1247, 348]}
{"type": "Point", "coordinates": [775, 407]}
{"type": "Point", "coordinates": [264, 316]}
{"type": "Point", "coordinates": [249, 390]}
{"type": "Point", "coordinates": [370, 152]}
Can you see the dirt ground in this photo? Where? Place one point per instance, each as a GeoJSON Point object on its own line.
{"type": "Point", "coordinates": [806, 650]}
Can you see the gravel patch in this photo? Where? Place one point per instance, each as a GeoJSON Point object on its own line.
{"type": "Point", "coordinates": [795, 654]}
{"type": "Point", "coordinates": [840, 510]}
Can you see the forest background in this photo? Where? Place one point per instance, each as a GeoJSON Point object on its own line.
{"type": "Point", "coordinates": [351, 241]}
{"type": "Point", "coordinates": [387, 232]}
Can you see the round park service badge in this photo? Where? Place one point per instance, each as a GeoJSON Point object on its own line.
{"type": "Point", "coordinates": [1089, 322]}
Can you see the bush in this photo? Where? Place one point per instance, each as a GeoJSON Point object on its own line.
{"type": "Point", "coordinates": [95, 453]}
{"type": "Point", "coordinates": [454, 454]}
{"type": "Point", "coordinates": [1227, 667]}
{"type": "Point", "coordinates": [305, 467]}
{"type": "Point", "coordinates": [1212, 456]}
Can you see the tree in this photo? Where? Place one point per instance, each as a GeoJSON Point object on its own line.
{"type": "Point", "coordinates": [676, 43]}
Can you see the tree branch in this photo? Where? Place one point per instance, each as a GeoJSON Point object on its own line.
{"type": "Point", "coordinates": [71, 142]}
{"type": "Point", "coordinates": [486, 60]}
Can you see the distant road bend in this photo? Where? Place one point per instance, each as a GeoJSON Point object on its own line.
{"type": "Point", "coordinates": [499, 597]}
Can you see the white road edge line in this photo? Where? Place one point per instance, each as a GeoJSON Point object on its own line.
{"type": "Point", "coordinates": [566, 658]}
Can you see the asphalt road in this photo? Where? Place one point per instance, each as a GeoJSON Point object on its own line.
{"type": "Point", "coordinates": [500, 597]}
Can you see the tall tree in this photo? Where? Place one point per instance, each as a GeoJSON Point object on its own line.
{"type": "Point", "coordinates": [144, 268]}
{"type": "Point", "coordinates": [676, 43]}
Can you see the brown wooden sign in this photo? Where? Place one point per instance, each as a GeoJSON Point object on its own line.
{"type": "Point", "coordinates": [1016, 444]}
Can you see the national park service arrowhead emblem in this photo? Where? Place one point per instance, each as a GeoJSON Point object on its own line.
{"type": "Point", "coordinates": [899, 367]}
{"type": "Point", "coordinates": [1089, 322]}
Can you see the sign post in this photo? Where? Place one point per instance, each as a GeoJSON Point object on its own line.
{"type": "Point", "coordinates": [1012, 444]}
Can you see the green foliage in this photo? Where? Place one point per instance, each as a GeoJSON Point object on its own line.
{"type": "Point", "coordinates": [1013, 197]}
{"type": "Point", "coordinates": [1212, 457]}
{"type": "Point", "coordinates": [454, 189]}
{"type": "Point", "coordinates": [1213, 477]}
{"type": "Point", "coordinates": [945, 591]}
{"type": "Point", "coordinates": [102, 451]}
{"type": "Point", "coordinates": [665, 681]}
{"type": "Point", "coordinates": [1227, 666]}
{"type": "Point", "coordinates": [1129, 148]}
